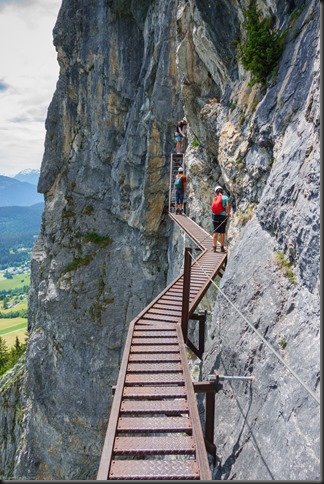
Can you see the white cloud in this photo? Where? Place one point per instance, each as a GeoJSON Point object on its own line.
{"type": "Point", "coordinates": [28, 76]}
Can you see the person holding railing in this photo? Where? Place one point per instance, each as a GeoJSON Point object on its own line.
{"type": "Point", "coordinates": [180, 134]}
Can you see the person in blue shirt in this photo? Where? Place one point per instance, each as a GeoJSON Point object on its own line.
{"type": "Point", "coordinates": [180, 190]}
{"type": "Point", "coordinates": [220, 213]}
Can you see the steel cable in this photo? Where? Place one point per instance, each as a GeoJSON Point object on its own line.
{"type": "Point", "coordinates": [260, 335]}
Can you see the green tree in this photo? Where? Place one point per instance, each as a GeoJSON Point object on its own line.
{"type": "Point", "coordinates": [4, 356]}
{"type": "Point", "coordinates": [15, 353]}
{"type": "Point", "coordinates": [263, 46]}
{"type": "Point", "coordinates": [17, 345]}
{"type": "Point", "coordinates": [8, 358]}
{"type": "Point", "coordinates": [5, 302]}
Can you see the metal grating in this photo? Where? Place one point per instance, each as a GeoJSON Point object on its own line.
{"type": "Point", "coordinates": [163, 445]}
{"type": "Point", "coordinates": [154, 394]}
{"type": "Point", "coordinates": [154, 424]}
{"type": "Point", "coordinates": [154, 470]}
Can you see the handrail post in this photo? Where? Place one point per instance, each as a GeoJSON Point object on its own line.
{"type": "Point", "coordinates": [201, 318]}
{"type": "Point", "coordinates": [210, 416]}
{"type": "Point", "coordinates": [210, 389]}
{"type": "Point", "coordinates": [186, 293]}
{"type": "Point", "coordinates": [202, 333]}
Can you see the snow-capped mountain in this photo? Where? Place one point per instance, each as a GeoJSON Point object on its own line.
{"type": "Point", "coordinates": [28, 175]}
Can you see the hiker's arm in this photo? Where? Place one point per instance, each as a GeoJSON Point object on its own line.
{"type": "Point", "coordinates": [182, 133]}
{"type": "Point", "coordinates": [228, 209]}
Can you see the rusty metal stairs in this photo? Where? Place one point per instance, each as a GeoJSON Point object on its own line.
{"type": "Point", "coordinates": [154, 430]}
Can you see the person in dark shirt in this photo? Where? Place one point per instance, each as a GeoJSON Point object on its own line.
{"type": "Point", "coordinates": [180, 134]}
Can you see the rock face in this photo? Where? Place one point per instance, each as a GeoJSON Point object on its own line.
{"type": "Point", "coordinates": [12, 413]}
{"type": "Point", "coordinates": [128, 71]}
{"type": "Point", "coordinates": [270, 164]}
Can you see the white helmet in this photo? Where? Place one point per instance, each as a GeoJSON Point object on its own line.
{"type": "Point", "coordinates": [218, 188]}
{"type": "Point", "coordinates": [180, 169]}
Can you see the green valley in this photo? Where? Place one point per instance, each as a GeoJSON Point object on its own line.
{"type": "Point", "coordinates": [14, 287]}
{"type": "Point", "coordinates": [19, 227]}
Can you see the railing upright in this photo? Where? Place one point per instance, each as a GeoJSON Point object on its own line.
{"type": "Point", "coordinates": [186, 293]}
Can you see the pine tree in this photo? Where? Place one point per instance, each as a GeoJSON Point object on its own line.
{"type": "Point", "coordinates": [5, 302]}
{"type": "Point", "coordinates": [4, 356]}
{"type": "Point", "coordinates": [17, 346]}
{"type": "Point", "coordinates": [263, 46]}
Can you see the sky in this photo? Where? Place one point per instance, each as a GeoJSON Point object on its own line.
{"type": "Point", "coordinates": [28, 74]}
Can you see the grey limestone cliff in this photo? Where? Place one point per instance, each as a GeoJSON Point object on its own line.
{"type": "Point", "coordinates": [267, 146]}
{"type": "Point", "coordinates": [128, 71]}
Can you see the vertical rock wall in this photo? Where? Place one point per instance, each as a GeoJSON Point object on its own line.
{"type": "Point", "coordinates": [263, 146]}
{"type": "Point", "coordinates": [12, 412]}
{"type": "Point", "coordinates": [102, 252]}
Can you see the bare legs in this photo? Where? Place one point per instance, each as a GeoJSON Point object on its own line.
{"type": "Point", "coordinates": [222, 241]}
{"type": "Point", "coordinates": [179, 208]}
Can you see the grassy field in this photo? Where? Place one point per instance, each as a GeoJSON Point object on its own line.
{"type": "Point", "coordinates": [10, 338]}
{"type": "Point", "coordinates": [18, 280]}
{"type": "Point", "coordinates": [11, 324]}
{"type": "Point", "coordinates": [10, 328]}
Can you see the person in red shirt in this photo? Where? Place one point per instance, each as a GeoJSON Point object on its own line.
{"type": "Point", "coordinates": [221, 211]}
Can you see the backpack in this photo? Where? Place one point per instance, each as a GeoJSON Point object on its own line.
{"type": "Point", "coordinates": [178, 182]}
{"type": "Point", "coordinates": [217, 205]}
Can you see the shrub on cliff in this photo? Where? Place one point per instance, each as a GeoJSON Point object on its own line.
{"type": "Point", "coordinates": [263, 45]}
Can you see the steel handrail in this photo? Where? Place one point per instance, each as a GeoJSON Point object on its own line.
{"type": "Point", "coordinates": [201, 455]}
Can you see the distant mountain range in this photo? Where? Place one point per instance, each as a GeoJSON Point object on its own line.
{"type": "Point", "coordinates": [16, 192]}
{"type": "Point", "coordinates": [29, 175]}
{"type": "Point", "coordinates": [21, 220]}
{"type": "Point", "coordinates": [21, 209]}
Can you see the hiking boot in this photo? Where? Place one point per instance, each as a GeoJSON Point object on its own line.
{"type": "Point", "coordinates": [223, 249]}
{"type": "Point", "coordinates": [214, 248]}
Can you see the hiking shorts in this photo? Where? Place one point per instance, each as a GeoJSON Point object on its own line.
{"type": "Point", "coordinates": [219, 222]}
{"type": "Point", "coordinates": [178, 137]}
{"type": "Point", "coordinates": [179, 196]}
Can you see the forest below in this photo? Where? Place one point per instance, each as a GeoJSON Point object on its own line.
{"type": "Point", "coordinates": [19, 227]}
{"type": "Point", "coordinates": [13, 318]}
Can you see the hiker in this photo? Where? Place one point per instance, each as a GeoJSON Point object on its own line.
{"type": "Point", "coordinates": [220, 213]}
{"type": "Point", "coordinates": [180, 134]}
{"type": "Point", "coordinates": [180, 188]}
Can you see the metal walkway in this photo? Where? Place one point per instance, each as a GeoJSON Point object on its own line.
{"type": "Point", "coordinates": [154, 430]}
